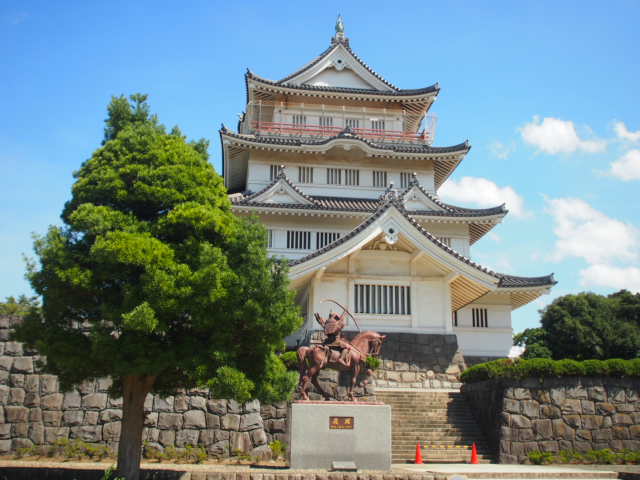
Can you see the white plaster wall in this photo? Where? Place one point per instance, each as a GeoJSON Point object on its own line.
{"type": "Point", "coordinates": [428, 303]}
{"type": "Point", "coordinates": [331, 77]}
{"type": "Point", "coordinates": [495, 340]}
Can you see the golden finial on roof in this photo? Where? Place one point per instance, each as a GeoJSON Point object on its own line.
{"type": "Point", "coordinates": [339, 37]}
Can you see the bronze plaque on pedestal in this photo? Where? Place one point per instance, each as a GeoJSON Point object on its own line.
{"type": "Point", "coordinates": [341, 423]}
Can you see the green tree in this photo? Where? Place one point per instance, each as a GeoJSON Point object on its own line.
{"type": "Point", "coordinates": [586, 326]}
{"type": "Point", "coordinates": [18, 307]}
{"type": "Point", "coordinates": [153, 281]}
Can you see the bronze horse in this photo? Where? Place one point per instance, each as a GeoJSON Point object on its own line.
{"type": "Point", "coordinates": [313, 359]}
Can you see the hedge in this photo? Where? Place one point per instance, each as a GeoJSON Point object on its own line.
{"type": "Point", "coordinates": [547, 368]}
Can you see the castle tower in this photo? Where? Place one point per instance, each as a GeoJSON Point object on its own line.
{"type": "Point", "coordinates": [340, 166]}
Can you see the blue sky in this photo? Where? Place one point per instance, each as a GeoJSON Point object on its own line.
{"type": "Point", "coordinates": [546, 92]}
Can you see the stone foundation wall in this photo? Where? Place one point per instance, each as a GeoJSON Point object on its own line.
{"type": "Point", "coordinates": [33, 411]}
{"type": "Point", "coordinates": [420, 361]}
{"type": "Point", "coordinates": [571, 413]}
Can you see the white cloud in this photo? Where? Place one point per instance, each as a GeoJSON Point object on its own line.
{"type": "Point", "coordinates": [628, 166]}
{"type": "Point", "coordinates": [581, 231]}
{"type": "Point", "coordinates": [611, 277]}
{"type": "Point", "coordinates": [483, 193]}
{"type": "Point", "coordinates": [495, 237]}
{"type": "Point", "coordinates": [552, 135]}
{"type": "Point", "coordinates": [623, 132]}
{"type": "Point", "coordinates": [500, 150]}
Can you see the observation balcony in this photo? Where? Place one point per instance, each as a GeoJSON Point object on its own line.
{"type": "Point", "coordinates": [311, 121]}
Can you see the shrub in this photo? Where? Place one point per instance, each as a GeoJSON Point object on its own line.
{"type": "Point", "coordinates": [278, 448]}
{"type": "Point", "coordinates": [540, 458]}
{"type": "Point", "coordinates": [568, 368]}
{"type": "Point", "coordinates": [290, 359]}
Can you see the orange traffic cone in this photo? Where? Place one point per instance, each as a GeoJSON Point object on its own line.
{"type": "Point", "coordinates": [418, 454]}
{"type": "Point", "coordinates": [474, 454]}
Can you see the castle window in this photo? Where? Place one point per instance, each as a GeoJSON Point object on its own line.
{"type": "Point", "coordinates": [299, 119]}
{"type": "Point", "coordinates": [326, 121]}
{"type": "Point", "coordinates": [351, 176]}
{"type": "Point", "coordinates": [352, 122]}
{"type": "Point", "coordinates": [273, 172]}
{"type": "Point", "coordinates": [270, 238]}
{"type": "Point", "coordinates": [405, 178]}
{"type": "Point", "coordinates": [454, 318]}
{"type": "Point", "coordinates": [379, 178]}
{"type": "Point", "coordinates": [382, 299]}
{"type": "Point", "coordinates": [334, 176]}
{"type": "Point", "coordinates": [377, 124]}
{"type": "Point", "coordinates": [297, 240]}
{"type": "Point", "coordinates": [479, 317]}
{"type": "Point", "coordinates": [325, 238]}
{"type": "Point", "coordinates": [305, 174]}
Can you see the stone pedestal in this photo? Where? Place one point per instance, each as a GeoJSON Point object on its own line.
{"type": "Point", "coordinates": [321, 433]}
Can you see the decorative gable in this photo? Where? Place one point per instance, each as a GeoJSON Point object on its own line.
{"type": "Point", "coordinates": [281, 192]}
{"type": "Point", "coordinates": [339, 68]}
{"type": "Point", "coordinates": [416, 199]}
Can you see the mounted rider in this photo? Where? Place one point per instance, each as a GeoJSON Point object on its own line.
{"type": "Point", "coordinates": [334, 342]}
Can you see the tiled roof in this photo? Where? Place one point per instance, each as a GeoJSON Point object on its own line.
{"type": "Point", "coordinates": [511, 281]}
{"type": "Point", "coordinates": [394, 147]}
{"type": "Point", "coordinates": [504, 281]}
{"type": "Point", "coordinates": [435, 88]}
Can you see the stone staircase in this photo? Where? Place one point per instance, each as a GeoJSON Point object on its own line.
{"type": "Point", "coordinates": [440, 420]}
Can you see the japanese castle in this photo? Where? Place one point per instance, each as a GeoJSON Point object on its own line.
{"type": "Point", "coordinates": [339, 164]}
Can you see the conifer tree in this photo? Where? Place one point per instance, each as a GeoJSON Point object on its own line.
{"type": "Point", "coordinates": [153, 281]}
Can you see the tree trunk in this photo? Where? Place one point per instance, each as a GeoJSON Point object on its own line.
{"type": "Point", "coordinates": [135, 389]}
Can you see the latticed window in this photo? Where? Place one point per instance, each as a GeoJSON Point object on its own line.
{"type": "Point", "coordinates": [298, 240]}
{"type": "Point", "coordinates": [382, 299]}
{"type": "Point", "coordinates": [299, 119]}
{"type": "Point", "coordinates": [334, 176]}
{"type": "Point", "coordinates": [273, 172]}
{"type": "Point", "coordinates": [305, 174]}
{"type": "Point", "coordinates": [479, 317]}
{"type": "Point", "coordinates": [326, 121]}
{"type": "Point", "coordinates": [405, 179]}
{"type": "Point", "coordinates": [269, 238]}
{"type": "Point", "coordinates": [351, 176]}
{"type": "Point", "coordinates": [352, 122]}
{"type": "Point", "coordinates": [377, 124]}
{"type": "Point", "coordinates": [325, 238]}
{"type": "Point", "coordinates": [379, 178]}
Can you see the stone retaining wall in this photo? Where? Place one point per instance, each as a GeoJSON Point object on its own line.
{"type": "Point", "coordinates": [33, 411]}
{"type": "Point", "coordinates": [571, 413]}
{"type": "Point", "coordinates": [420, 361]}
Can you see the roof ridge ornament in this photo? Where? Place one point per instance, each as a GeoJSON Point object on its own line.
{"type": "Point", "coordinates": [340, 37]}
{"type": "Point", "coordinates": [414, 180]}
{"type": "Point", "coordinates": [389, 195]}
{"type": "Point", "coordinates": [281, 173]}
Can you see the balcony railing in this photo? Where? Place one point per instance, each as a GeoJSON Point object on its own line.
{"type": "Point", "coordinates": [297, 130]}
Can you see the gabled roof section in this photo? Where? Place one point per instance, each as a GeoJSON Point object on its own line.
{"type": "Point", "coordinates": [280, 192]}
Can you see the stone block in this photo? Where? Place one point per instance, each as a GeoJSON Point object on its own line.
{"type": "Point", "coordinates": [634, 432]}
{"type": "Point", "coordinates": [16, 396]}
{"type": "Point", "coordinates": [22, 365]}
{"type": "Point", "coordinates": [52, 418]}
{"type": "Point", "coordinates": [197, 402]}
{"type": "Point", "coordinates": [573, 420]}
{"type": "Point", "coordinates": [240, 442]}
{"type": "Point", "coordinates": [520, 421]}
{"type": "Point", "coordinates": [230, 422]}
{"type": "Point", "coordinates": [52, 401]}
{"type": "Point", "coordinates": [604, 408]}
{"type": "Point", "coordinates": [116, 402]}
{"type": "Point", "coordinates": [596, 393]}
{"type": "Point", "coordinates": [526, 435]}
{"type": "Point", "coordinates": [96, 401]}
{"type": "Point", "coordinates": [73, 418]}
{"type": "Point", "coordinates": [15, 414]}
{"type": "Point", "coordinates": [258, 437]}
{"type": "Point", "coordinates": [111, 415]}
{"type": "Point", "coordinates": [235, 407]}
{"type": "Point", "coordinates": [511, 406]}
{"type": "Point", "coordinates": [278, 425]}
{"type": "Point", "coordinates": [550, 411]}
{"type": "Point", "coordinates": [35, 415]}
{"type": "Point", "coordinates": [219, 449]}
{"type": "Point", "coordinates": [87, 433]}
{"type": "Point", "coordinates": [186, 437]}
{"type": "Point", "coordinates": [151, 419]}
{"type": "Point", "coordinates": [251, 406]}
{"type": "Point", "coordinates": [250, 421]}
{"type": "Point", "coordinates": [48, 384]}
{"type": "Point", "coordinates": [4, 394]}
{"type": "Point", "coordinates": [558, 396]}
{"type": "Point", "coordinates": [163, 404]}
{"type": "Point", "coordinates": [86, 387]}
{"type": "Point", "coordinates": [36, 433]}
{"type": "Point", "coordinates": [588, 407]}
{"type": "Point", "coordinates": [104, 384]}
{"type": "Point", "coordinates": [17, 443]}
{"type": "Point", "coordinates": [620, 432]}
{"type": "Point", "coordinates": [5, 363]}
{"type": "Point", "coordinates": [111, 431]}
{"type": "Point", "coordinates": [549, 446]}
{"type": "Point", "coordinates": [267, 411]}
{"type": "Point", "coordinates": [72, 400]}
{"type": "Point", "coordinates": [170, 421]}
{"type": "Point", "coordinates": [222, 435]}
{"type": "Point", "coordinates": [167, 438]}
{"type": "Point", "coordinates": [13, 349]}
{"type": "Point", "coordinates": [217, 406]}
{"type": "Point", "coordinates": [577, 392]}
{"type": "Point", "coordinates": [521, 393]}
{"type": "Point", "coordinates": [194, 419]}
{"type": "Point", "coordinates": [148, 402]}
{"type": "Point", "coordinates": [622, 419]}
{"type": "Point", "coordinates": [19, 430]}
{"type": "Point", "coordinates": [213, 421]}
{"type": "Point", "coordinates": [4, 377]}
{"type": "Point", "coordinates": [592, 422]}
{"type": "Point", "coordinates": [91, 418]}
{"type": "Point", "coordinates": [531, 408]}
{"type": "Point", "coordinates": [16, 380]}
{"type": "Point", "coordinates": [562, 430]}
{"type": "Point", "coordinates": [5, 431]}
{"type": "Point", "coordinates": [51, 434]}
{"type": "Point", "coordinates": [150, 435]}
{"type": "Point", "coordinates": [32, 383]}
{"type": "Point", "coordinates": [617, 395]}
{"type": "Point", "coordinates": [181, 403]}
{"type": "Point", "coordinates": [602, 435]}
{"type": "Point", "coordinates": [571, 406]}
{"type": "Point", "coordinates": [584, 435]}
{"type": "Point", "coordinates": [263, 452]}
{"type": "Point", "coordinates": [543, 429]}
{"type": "Point", "coordinates": [32, 399]}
